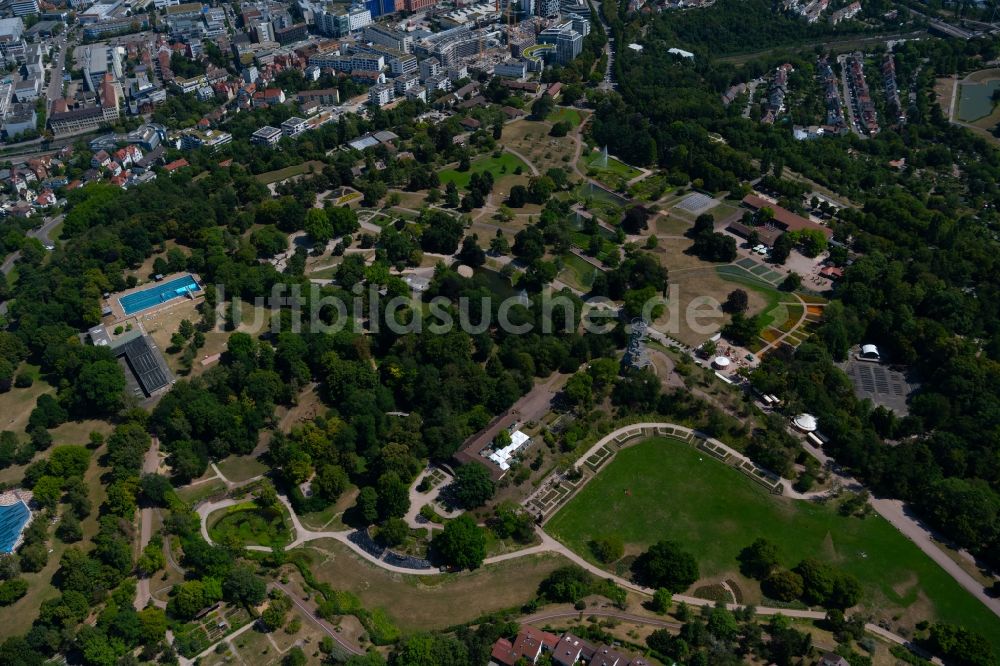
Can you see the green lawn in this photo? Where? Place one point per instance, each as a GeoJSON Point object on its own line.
{"type": "Point", "coordinates": [747, 279]}
{"type": "Point", "coordinates": [579, 272]}
{"type": "Point", "coordinates": [565, 113]}
{"type": "Point", "coordinates": [667, 489]}
{"type": "Point", "coordinates": [295, 170]}
{"type": "Point", "coordinates": [593, 161]}
{"type": "Point", "coordinates": [252, 525]}
{"type": "Point", "coordinates": [507, 163]}
{"type": "Point", "coordinates": [240, 468]}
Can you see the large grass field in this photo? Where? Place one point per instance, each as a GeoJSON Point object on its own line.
{"type": "Point", "coordinates": [506, 164]}
{"type": "Point", "coordinates": [567, 114]}
{"type": "Point", "coordinates": [665, 489]}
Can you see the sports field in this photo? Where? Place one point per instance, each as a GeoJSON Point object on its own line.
{"type": "Point", "coordinates": [665, 489]}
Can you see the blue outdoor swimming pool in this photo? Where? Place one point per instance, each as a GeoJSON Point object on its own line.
{"type": "Point", "coordinates": [12, 520]}
{"type": "Point", "coordinates": [157, 294]}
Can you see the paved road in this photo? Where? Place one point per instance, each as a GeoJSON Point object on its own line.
{"type": "Point", "coordinates": [43, 234]}
{"type": "Point", "coordinates": [55, 88]}
{"type": "Point", "coordinates": [150, 464]}
{"type": "Point", "coordinates": [547, 545]}
{"type": "Point", "coordinates": [892, 510]}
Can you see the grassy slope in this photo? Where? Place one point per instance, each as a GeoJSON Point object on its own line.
{"type": "Point", "coordinates": [419, 603]}
{"type": "Point", "coordinates": [714, 511]}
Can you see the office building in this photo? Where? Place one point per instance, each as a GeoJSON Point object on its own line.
{"type": "Point", "coordinates": [394, 39]}
{"type": "Point", "coordinates": [24, 7]}
{"type": "Point", "coordinates": [568, 42]}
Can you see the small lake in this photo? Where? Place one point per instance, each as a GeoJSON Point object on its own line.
{"type": "Point", "coordinates": [976, 100]}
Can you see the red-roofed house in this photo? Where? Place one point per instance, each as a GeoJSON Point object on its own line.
{"type": "Point", "coordinates": [175, 165]}
{"type": "Point", "coordinates": [503, 653]}
{"type": "Point", "coordinates": [785, 219]}
{"type": "Point", "coordinates": [528, 646]}
{"type": "Point", "coordinates": [45, 199]}
{"type": "Point", "coordinates": [100, 159]}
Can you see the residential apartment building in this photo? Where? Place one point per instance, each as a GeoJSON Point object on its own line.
{"type": "Point", "coordinates": [403, 83]}
{"type": "Point", "coordinates": [430, 67]}
{"type": "Point", "coordinates": [293, 127]}
{"type": "Point", "coordinates": [193, 139]}
{"type": "Point", "coordinates": [381, 94]}
{"type": "Point", "coordinates": [266, 136]}
{"type": "Point", "coordinates": [326, 96]}
{"type": "Point", "coordinates": [361, 62]}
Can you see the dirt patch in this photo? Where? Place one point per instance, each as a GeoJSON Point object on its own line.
{"type": "Point", "coordinates": [307, 408]}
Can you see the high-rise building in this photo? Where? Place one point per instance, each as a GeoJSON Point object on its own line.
{"type": "Point", "coordinates": [24, 7]}
{"type": "Point", "coordinates": [547, 8]}
{"type": "Point", "coordinates": [380, 7]}
{"type": "Point", "coordinates": [13, 50]}
{"type": "Point", "coordinates": [568, 42]}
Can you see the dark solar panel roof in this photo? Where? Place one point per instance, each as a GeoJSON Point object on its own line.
{"type": "Point", "coordinates": [145, 364]}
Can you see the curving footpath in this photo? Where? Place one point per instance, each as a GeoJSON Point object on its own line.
{"type": "Point", "coordinates": [893, 511]}
{"type": "Point", "coordinates": [547, 545]}
{"type": "Point", "coordinates": [890, 510]}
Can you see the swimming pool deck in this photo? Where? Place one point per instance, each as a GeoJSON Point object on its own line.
{"type": "Point", "coordinates": [118, 313]}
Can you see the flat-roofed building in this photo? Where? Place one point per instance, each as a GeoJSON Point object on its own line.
{"type": "Point", "coordinates": [293, 127]}
{"type": "Point", "coordinates": [266, 136]}
{"type": "Point", "coordinates": [146, 370]}
{"type": "Point", "coordinates": [381, 94]}
{"type": "Point", "coordinates": [325, 96]}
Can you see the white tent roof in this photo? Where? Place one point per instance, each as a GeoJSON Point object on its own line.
{"type": "Point", "coordinates": [502, 456]}
{"type": "Point", "coordinates": [869, 349]}
{"type": "Point", "coordinates": [805, 422]}
{"type": "Point", "coordinates": [720, 362]}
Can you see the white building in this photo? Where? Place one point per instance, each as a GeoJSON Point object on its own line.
{"type": "Point", "coordinates": [429, 67]}
{"type": "Point", "coordinates": [403, 83]}
{"type": "Point", "coordinates": [381, 94]}
{"type": "Point", "coordinates": [293, 127]}
{"type": "Point", "coordinates": [266, 136]}
{"type": "Point", "coordinates": [502, 457]}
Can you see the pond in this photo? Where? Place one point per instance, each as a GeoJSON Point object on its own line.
{"type": "Point", "coordinates": [976, 100]}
